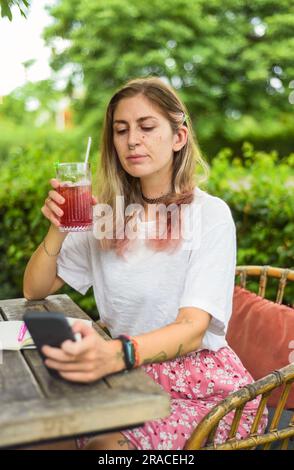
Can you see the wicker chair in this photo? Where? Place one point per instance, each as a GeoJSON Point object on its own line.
{"type": "Point", "coordinates": [203, 435]}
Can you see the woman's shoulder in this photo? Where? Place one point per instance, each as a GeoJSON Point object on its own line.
{"type": "Point", "coordinates": [214, 210]}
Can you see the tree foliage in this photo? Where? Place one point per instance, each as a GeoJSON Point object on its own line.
{"type": "Point", "coordinates": [31, 104]}
{"type": "Point", "coordinates": [231, 60]}
{"type": "Point", "coordinates": [6, 6]}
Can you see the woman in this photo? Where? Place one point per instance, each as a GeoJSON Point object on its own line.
{"type": "Point", "coordinates": [170, 292]}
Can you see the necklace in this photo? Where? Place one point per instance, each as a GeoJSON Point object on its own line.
{"type": "Point", "coordinates": [155, 200]}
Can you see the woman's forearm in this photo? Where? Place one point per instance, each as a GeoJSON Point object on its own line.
{"type": "Point", "coordinates": [176, 339]}
{"type": "Point", "coordinates": [40, 272]}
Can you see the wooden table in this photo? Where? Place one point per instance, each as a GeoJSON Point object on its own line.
{"type": "Point", "coordinates": [36, 407]}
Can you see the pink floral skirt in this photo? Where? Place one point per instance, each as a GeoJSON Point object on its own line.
{"type": "Point", "coordinates": [196, 383]}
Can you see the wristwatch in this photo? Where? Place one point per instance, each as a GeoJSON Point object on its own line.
{"type": "Point", "coordinates": [129, 351]}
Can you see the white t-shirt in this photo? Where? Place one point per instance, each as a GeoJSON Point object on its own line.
{"type": "Point", "coordinates": [144, 291]}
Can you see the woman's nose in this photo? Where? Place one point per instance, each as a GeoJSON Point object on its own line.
{"type": "Point", "coordinates": [133, 137]}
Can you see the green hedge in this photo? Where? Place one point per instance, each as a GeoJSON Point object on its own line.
{"type": "Point", "coordinates": [24, 184]}
{"type": "Point", "coordinates": [257, 186]}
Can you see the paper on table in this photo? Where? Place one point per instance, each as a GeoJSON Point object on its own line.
{"type": "Point", "coordinates": [9, 331]}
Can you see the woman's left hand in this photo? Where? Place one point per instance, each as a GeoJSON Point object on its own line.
{"type": "Point", "coordinates": [86, 360]}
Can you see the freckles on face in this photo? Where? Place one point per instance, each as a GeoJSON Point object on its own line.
{"type": "Point", "coordinates": [141, 125]}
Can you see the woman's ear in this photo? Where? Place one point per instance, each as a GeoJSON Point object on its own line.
{"type": "Point", "coordinates": [180, 138]}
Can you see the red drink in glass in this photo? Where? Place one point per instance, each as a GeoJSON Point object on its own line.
{"type": "Point", "coordinates": [75, 187]}
{"type": "Point", "coordinates": [77, 209]}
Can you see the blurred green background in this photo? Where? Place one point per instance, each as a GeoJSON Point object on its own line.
{"type": "Point", "coordinates": [231, 61]}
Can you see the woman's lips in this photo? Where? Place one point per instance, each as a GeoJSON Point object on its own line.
{"type": "Point", "coordinates": [136, 158]}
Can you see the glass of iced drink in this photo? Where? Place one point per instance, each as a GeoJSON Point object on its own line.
{"type": "Point", "coordinates": [76, 188]}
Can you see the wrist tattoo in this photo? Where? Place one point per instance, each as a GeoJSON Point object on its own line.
{"type": "Point", "coordinates": [119, 355]}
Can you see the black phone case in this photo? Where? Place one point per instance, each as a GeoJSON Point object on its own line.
{"type": "Point", "coordinates": [51, 328]}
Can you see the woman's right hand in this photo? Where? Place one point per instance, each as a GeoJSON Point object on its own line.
{"type": "Point", "coordinates": [51, 209]}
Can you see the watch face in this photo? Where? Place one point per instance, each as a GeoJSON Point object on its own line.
{"type": "Point", "coordinates": [129, 352]}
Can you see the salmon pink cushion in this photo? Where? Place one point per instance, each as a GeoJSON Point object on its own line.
{"type": "Point", "coordinates": [261, 332]}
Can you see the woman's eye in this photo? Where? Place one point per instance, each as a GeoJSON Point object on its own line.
{"type": "Point", "coordinates": [145, 129]}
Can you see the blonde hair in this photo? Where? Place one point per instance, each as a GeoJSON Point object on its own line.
{"type": "Point", "coordinates": [114, 181]}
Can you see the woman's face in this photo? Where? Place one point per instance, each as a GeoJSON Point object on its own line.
{"type": "Point", "coordinates": [143, 138]}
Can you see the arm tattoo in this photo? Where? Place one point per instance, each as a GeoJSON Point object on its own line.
{"type": "Point", "coordinates": [180, 350]}
{"type": "Point", "coordinates": [160, 357]}
{"type": "Point", "coordinates": [184, 321]}
{"type": "Point", "coordinates": [125, 442]}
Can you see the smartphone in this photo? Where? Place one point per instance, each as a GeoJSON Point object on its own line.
{"type": "Point", "coordinates": [51, 328]}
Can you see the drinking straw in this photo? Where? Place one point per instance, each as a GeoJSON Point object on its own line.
{"type": "Point", "coordinates": [88, 150]}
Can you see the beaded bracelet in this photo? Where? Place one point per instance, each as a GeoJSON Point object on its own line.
{"type": "Point", "coordinates": [136, 348]}
{"type": "Point", "coordinates": [47, 252]}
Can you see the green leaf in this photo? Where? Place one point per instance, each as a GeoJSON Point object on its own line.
{"type": "Point", "coordinates": [22, 13]}
{"type": "Point", "coordinates": [5, 10]}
